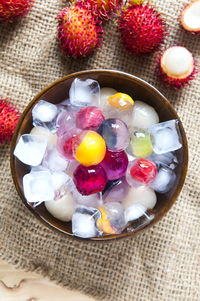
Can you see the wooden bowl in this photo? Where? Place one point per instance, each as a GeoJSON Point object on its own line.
{"type": "Point", "coordinates": [123, 82]}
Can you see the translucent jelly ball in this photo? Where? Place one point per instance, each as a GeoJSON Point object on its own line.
{"type": "Point", "coordinates": [141, 143]}
{"type": "Point", "coordinates": [65, 142]}
{"type": "Point", "coordinates": [115, 133]}
{"type": "Point", "coordinates": [89, 118]}
{"type": "Point", "coordinates": [115, 164]}
{"type": "Point", "coordinates": [116, 191]}
{"type": "Point", "coordinates": [89, 179]}
{"type": "Point", "coordinates": [141, 172]}
{"type": "Point", "coordinates": [112, 219]}
{"type": "Point", "coordinates": [89, 148]}
{"type": "Point", "coordinates": [121, 101]}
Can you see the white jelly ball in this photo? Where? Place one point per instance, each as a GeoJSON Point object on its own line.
{"type": "Point", "coordinates": [105, 93]}
{"type": "Point", "coordinates": [142, 195]}
{"type": "Point", "coordinates": [143, 115]}
{"type": "Point", "coordinates": [177, 62]}
{"type": "Point", "coordinates": [39, 130]}
{"type": "Point", "coordinates": [63, 208]}
{"type": "Point", "coordinates": [134, 212]}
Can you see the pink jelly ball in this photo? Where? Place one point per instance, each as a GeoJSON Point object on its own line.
{"type": "Point", "coordinates": [66, 122]}
{"type": "Point", "coordinates": [89, 179]}
{"type": "Point", "coordinates": [89, 118]}
{"type": "Point", "coordinates": [65, 143]}
{"type": "Point", "coordinates": [115, 164]}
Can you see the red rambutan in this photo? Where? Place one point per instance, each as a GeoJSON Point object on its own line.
{"type": "Point", "coordinates": [9, 117]}
{"type": "Point", "coordinates": [190, 17]}
{"type": "Point", "coordinates": [142, 29]}
{"type": "Point", "coordinates": [176, 67]}
{"type": "Point", "coordinates": [11, 9]}
{"type": "Point", "coordinates": [79, 32]}
{"type": "Point", "coordinates": [103, 9]}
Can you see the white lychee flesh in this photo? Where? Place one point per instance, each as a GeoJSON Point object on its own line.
{"type": "Point", "coordinates": [190, 18]}
{"type": "Point", "coordinates": [177, 62]}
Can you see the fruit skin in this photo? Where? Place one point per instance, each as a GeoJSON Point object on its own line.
{"type": "Point", "coordinates": [89, 118]}
{"type": "Point", "coordinates": [9, 117]}
{"type": "Point", "coordinates": [89, 179]}
{"type": "Point", "coordinates": [103, 9]}
{"type": "Point", "coordinates": [79, 32]}
{"type": "Point", "coordinates": [12, 9]}
{"type": "Point", "coordinates": [142, 29]}
{"type": "Point", "coordinates": [177, 83]}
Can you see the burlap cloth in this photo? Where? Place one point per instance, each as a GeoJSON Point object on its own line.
{"type": "Point", "coordinates": [163, 263]}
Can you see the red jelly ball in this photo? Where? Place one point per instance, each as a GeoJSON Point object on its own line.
{"type": "Point", "coordinates": [144, 170]}
{"type": "Point", "coordinates": [90, 179]}
{"type": "Point", "coordinates": [115, 164]}
{"type": "Point", "coordinates": [89, 118]}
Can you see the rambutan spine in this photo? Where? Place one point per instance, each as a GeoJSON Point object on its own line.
{"type": "Point", "coordinates": [9, 117]}
{"type": "Point", "coordinates": [10, 10]}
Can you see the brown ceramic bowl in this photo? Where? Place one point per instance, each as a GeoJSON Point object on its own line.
{"type": "Point", "coordinates": [122, 82]}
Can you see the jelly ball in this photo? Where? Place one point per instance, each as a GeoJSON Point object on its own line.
{"type": "Point", "coordinates": [41, 131]}
{"type": "Point", "coordinates": [89, 148]}
{"type": "Point", "coordinates": [141, 143]}
{"type": "Point", "coordinates": [89, 118]}
{"type": "Point", "coordinates": [105, 93]}
{"type": "Point", "coordinates": [121, 101]}
{"type": "Point", "coordinates": [115, 164]}
{"type": "Point", "coordinates": [65, 142]}
{"type": "Point", "coordinates": [115, 133]}
{"type": "Point", "coordinates": [112, 219]}
{"type": "Point", "coordinates": [116, 191]}
{"type": "Point", "coordinates": [90, 179]}
{"type": "Point", "coordinates": [66, 122]}
{"type": "Point", "coordinates": [141, 172]}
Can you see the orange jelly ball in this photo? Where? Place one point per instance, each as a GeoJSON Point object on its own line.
{"type": "Point", "coordinates": [89, 148]}
{"type": "Point", "coordinates": [121, 101]}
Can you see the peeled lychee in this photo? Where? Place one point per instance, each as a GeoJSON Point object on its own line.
{"type": "Point", "coordinates": [79, 32]}
{"type": "Point", "coordinates": [9, 117]}
{"type": "Point", "coordinates": [142, 29]}
{"type": "Point", "coordinates": [190, 17]}
{"type": "Point", "coordinates": [177, 66]}
{"type": "Point", "coordinates": [12, 9]}
{"type": "Point", "coordinates": [103, 9]}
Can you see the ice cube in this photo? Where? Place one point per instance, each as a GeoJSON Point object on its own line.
{"type": "Point", "coordinates": [44, 112]}
{"type": "Point", "coordinates": [165, 136]}
{"type": "Point", "coordinates": [84, 92]}
{"type": "Point", "coordinates": [93, 200]}
{"type": "Point", "coordinates": [84, 222]}
{"type": "Point", "coordinates": [60, 182]}
{"type": "Point", "coordinates": [164, 181]}
{"type": "Point", "coordinates": [38, 187]}
{"type": "Point", "coordinates": [105, 93]}
{"type": "Point", "coordinates": [30, 149]}
{"type": "Point", "coordinates": [53, 160]}
{"type": "Point", "coordinates": [115, 213]}
{"type": "Point", "coordinates": [167, 159]}
{"type": "Point", "coordinates": [41, 131]}
{"type": "Point", "coordinates": [134, 212]}
{"type": "Point", "coordinates": [66, 122]}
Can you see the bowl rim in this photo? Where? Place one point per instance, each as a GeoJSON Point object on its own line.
{"type": "Point", "coordinates": [109, 237]}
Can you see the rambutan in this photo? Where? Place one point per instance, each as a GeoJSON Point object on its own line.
{"type": "Point", "coordinates": [12, 9]}
{"type": "Point", "coordinates": [103, 9]}
{"type": "Point", "coordinates": [79, 32]}
{"type": "Point", "coordinates": [9, 117]}
{"type": "Point", "coordinates": [142, 29]}
{"type": "Point", "coordinates": [190, 17]}
{"type": "Point", "coordinates": [176, 67]}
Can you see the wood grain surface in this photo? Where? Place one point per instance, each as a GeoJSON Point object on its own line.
{"type": "Point", "coordinates": [18, 285]}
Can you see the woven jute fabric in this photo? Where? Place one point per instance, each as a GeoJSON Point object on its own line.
{"type": "Point", "coordinates": [161, 264]}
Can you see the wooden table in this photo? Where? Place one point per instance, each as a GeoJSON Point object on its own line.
{"type": "Point", "coordinates": [17, 285]}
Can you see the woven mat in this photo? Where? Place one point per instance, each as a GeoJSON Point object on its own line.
{"type": "Point", "coordinates": [162, 264]}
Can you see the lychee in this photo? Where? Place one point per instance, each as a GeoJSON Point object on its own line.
{"type": "Point", "coordinates": [79, 32]}
{"type": "Point", "coordinates": [142, 29]}
{"type": "Point", "coordinates": [9, 117]}
{"type": "Point", "coordinates": [190, 17]}
{"type": "Point", "coordinates": [12, 9]}
{"type": "Point", "coordinates": [103, 9]}
{"type": "Point", "coordinates": [177, 66]}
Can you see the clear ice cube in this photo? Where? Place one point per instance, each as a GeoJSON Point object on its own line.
{"type": "Point", "coordinates": [84, 92]}
{"type": "Point", "coordinates": [167, 159]}
{"type": "Point", "coordinates": [53, 160]}
{"type": "Point", "coordinates": [38, 187]}
{"type": "Point", "coordinates": [165, 180]}
{"type": "Point", "coordinates": [165, 136]}
{"type": "Point", "coordinates": [30, 149]}
{"type": "Point", "coordinates": [61, 182]}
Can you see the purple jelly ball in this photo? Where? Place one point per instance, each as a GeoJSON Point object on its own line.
{"type": "Point", "coordinates": [90, 179]}
{"type": "Point", "coordinates": [115, 164]}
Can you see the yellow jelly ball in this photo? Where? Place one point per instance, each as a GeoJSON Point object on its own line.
{"type": "Point", "coordinates": [91, 150]}
{"type": "Point", "coordinates": [121, 101]}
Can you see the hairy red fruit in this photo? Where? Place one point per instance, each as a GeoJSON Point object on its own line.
{"type": "Point", "coordinates": [79, 32]}
{"type": "Point", "coordinates": [142, 29]}
{"type": "Point", "coordinates": [12, 9]}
